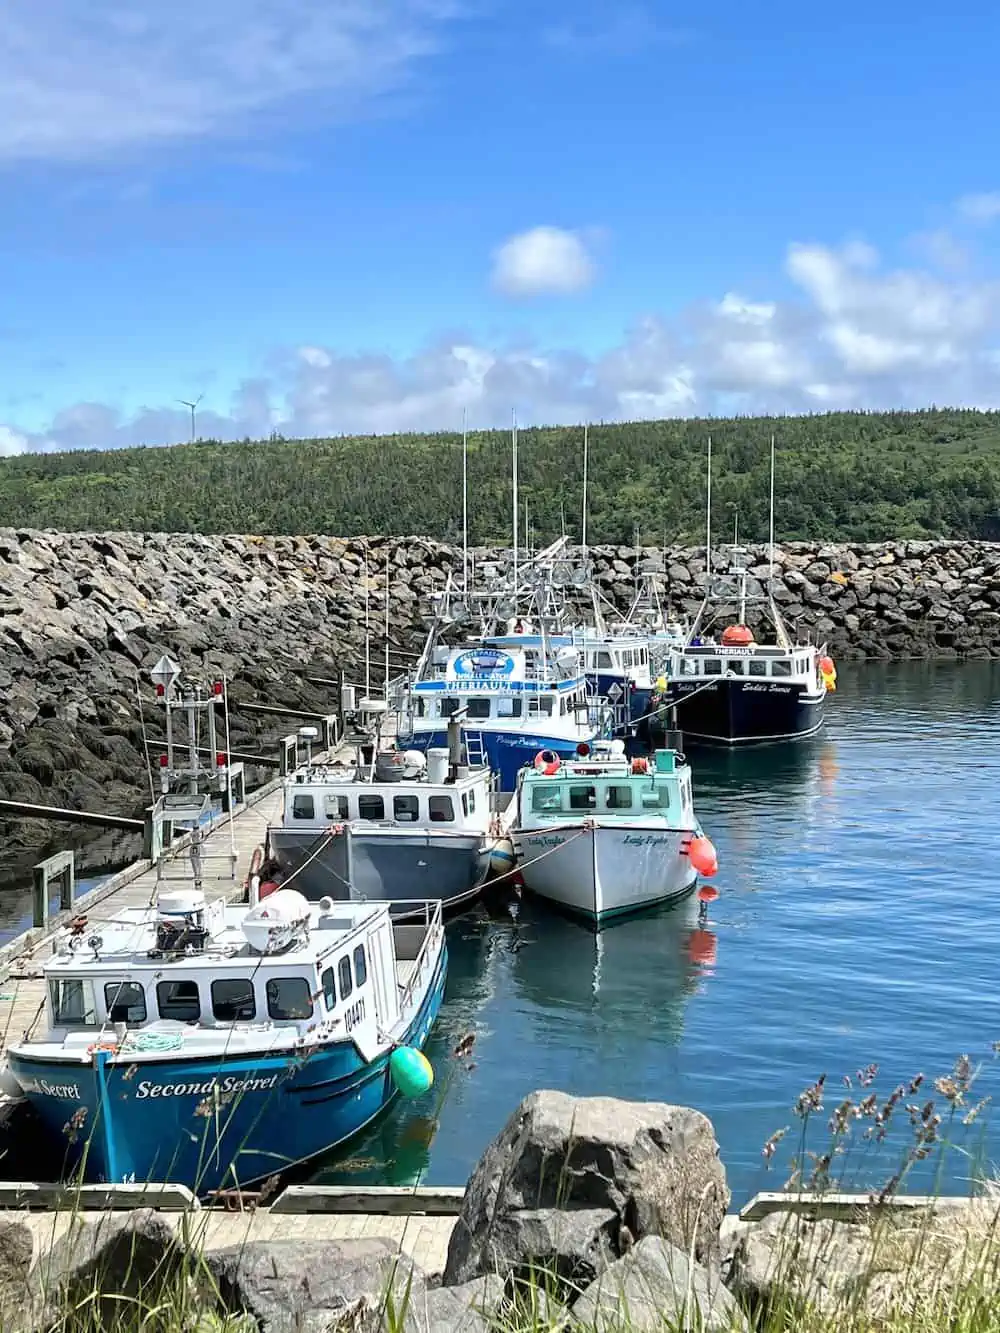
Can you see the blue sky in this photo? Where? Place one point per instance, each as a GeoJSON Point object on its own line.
{"type": "Point", "coordinates": [373, 214]}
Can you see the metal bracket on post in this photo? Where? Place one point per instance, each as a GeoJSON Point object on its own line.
{"type": "Point", "coordinates": [61, 867]}
{"type": "Point", "coordinates": [288, 754]}
{"type": "Point", "coordinates": [331, 732]}
{"type": "Point", "coordinates": [235, 793]}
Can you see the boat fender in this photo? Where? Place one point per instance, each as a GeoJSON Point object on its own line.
{"type": "Point", "coordinates": [547, 763]}
{"type": "Point", "coordinates": [411, 1071]}
{"type": "Point", "coordinates": [703, 857]}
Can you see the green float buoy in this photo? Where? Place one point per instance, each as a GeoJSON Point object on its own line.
{"type": "Point", "coordinates": [411, 1071]}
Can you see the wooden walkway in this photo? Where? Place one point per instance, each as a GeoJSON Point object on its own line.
{"type": "Point", "coordinates": [22, 991]}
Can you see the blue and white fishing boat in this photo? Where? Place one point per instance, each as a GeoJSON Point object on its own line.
{"type": "Point", "coordinates": [518, 701]}
{"type": "Point", "coordinates": [603, 835]}
{"type": "Point", "coordinates": [214, 1046]}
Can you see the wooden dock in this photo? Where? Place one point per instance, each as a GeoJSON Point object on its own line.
{"type": "Point", "coordinates": [22, 992]}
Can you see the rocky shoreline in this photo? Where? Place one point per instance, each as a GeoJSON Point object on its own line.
{"type": "Point", "coordinates": [81, 614]}
{"type": "Point", "coordinates": [583, 1213]}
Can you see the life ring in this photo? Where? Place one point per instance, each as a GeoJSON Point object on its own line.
{"type": "Point", "coordinates": [547, 763]}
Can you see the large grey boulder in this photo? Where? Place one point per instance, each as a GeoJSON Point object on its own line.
{"type": "Point", "coordinates": [655, 1168]}
{"type": "Point", "coordinates": [309, 1286]}
{"type": "Point", "coordinates": [656, 1286]}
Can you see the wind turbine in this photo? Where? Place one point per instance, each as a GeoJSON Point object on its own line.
{"type": "Point", "coordinates": [192, 406]}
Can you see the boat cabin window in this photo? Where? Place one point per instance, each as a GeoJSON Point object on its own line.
{"type": "Point", "coordinates": [371, 807]}
{"type": "Point", "coordinates": [418, 706]}
{"type": "Point", "coordinates": [303, 806]}
{"type": "Point", "coordinates": [780, 668]}
{"type": "Point", "coordinates": [468, 802]}
{"type": "Point", "coordinates": [233, 1000]}
{"type": "Point", "coordinates": [713, 666]}
{"type": "Point", "coordinates": [540, 706]}
{"type": "Point", "coordinates": [360, 965]}
{"type": "Point", "coordinates": [344, 974]}
{"type": "Point", "coordinates": [656, 797]}
{"type": "Point", "coordinates": [335, 807]}
{"type": "Point", "coordinates": [449, 706]}
{"type": "Point", "coordinates": [736, 666]}
{"type": "Point", "coordinates": [179, 1000]}
{"type": "Point", "coordinates": [405, 809]}
{"type": "Point", "coordinates": [441, 810]}
{"type": "Point", "coordinates": [619, 797]}
{"type": "Point", "coordinates": [329, 989]}
{"type": "Point", "coordinates": [289, 998]}
{"type": "Point", "coordinates": [690, 666]}
{"type": "Point", "coordinates": [508, 707]}
{"type": "Point", "coordinates": [758, 667]}
{"type": "Point", "coordinates": [72, 1003]}
{"type": "Point", "coordinates": [546, 799]}
{"type": "Point", "coordinates": [478, 707]}
{"type": "Point", "coordinates": [604, 661]}
{"type": "Point", "coordinates": [125, 1001]}
{"type": "Point", "coordinates": [582, 796]}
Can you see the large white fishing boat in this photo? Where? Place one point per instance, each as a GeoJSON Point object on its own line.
{"type": "Point", "coordinates": [604, 835]}
{"type": "Point", "coordinates": [395, 823]}
{"type": "Point", "coordinates": [214, 1045]}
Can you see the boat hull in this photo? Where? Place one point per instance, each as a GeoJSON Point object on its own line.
{"type": "Point", "coordinates": [377, 866]}
{"type": "Point", "coordinates": [213, 1123]}
{"type": "Point", "coordinates": [605, 872]}
{"type": "Point", "coordinates": [744, 712]}
{"type": "Point", "coordinates": [506, 752]}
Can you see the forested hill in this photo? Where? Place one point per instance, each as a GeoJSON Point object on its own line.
{"type": "Point", "coordinates": [853, 476]}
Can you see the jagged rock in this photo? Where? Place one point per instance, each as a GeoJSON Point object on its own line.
{"type": "Point", "coordinates": [307, 1286]}
{"type": "Point", "coordinates": [655, 1286]}
{"type": "Point", "coordinates": [656, 1167]}
{"type": "Point", "coordinates": [104, 1267]}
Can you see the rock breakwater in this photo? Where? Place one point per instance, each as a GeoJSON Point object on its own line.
{"type": "Point", "coordinates": [81, 615]}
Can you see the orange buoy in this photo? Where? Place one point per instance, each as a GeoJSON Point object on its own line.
{"type": "Point", "coordinates": [547, 763]}
{"type": "Point", "coordinates": [737, 636]}
{"type": "Point", "coordinates": [702, 856]}
{"type": "Point", "coordinates": [827, 667]}
{"type": "Point", "coordinates": [707, 893]}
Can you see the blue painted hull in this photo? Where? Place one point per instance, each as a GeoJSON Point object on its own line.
{"type": "Point", "coordinates": [506, 752]}
{"type": "Point", "coordinates": [213, 1123]}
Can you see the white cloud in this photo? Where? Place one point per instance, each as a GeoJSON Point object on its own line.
{"type": "Point", "coordinates": [543, 261]}
{"type": "Point", "coordinates": [858, 335]}
{"type": "Point", "coordinates": [79, 81]}
{"type": "Point", "coordinates": [980, 208]}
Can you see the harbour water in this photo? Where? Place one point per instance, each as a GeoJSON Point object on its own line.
{"type": "Point", "coordinates": [858, 922]}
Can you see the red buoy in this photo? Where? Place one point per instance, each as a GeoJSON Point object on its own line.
{"type": "Point", "coordinates": [702, 856]}
{"type": "Point", "coordinates": [737, 636]}
{"type": "Point", "coordinates": [268, 887]}
{"type": "Point", "coordinates": [707, 893]}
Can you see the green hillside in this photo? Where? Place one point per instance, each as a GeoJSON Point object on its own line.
{"type": "Point", "coordinates": [859, 476]}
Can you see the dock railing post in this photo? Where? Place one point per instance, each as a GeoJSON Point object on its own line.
{"type": "Point", "coordinates": [61, 866]}
{"type": "Point", "coordinates": [288, 754]}
{"type": "Point", "coordinates": [331, 732]}
{"type": "Point", "coordinates": [234, 794]}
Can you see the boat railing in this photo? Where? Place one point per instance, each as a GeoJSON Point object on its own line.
{"type": "Point", "coordinates": [425, 912]}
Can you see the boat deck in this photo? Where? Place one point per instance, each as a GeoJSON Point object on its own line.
{"type": "Point", "coordinates": [226, 851]}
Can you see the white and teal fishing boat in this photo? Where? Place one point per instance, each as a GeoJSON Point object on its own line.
{"type": "Point", "coordinates": [213, 1045]}
{"type": "Point", "coordinates": [603, 835]}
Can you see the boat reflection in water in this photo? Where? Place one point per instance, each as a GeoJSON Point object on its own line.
{"type": "Point", "coordinates": [551, 1004]}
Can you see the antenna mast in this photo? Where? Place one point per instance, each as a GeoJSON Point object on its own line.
{"type": "Point", "coordinates": [513, 464]}
{"type": "Point", "coordinates": [708, 518]}
{"type": "Point", "coordinates": [387, 627]}
{"type": "Point", "coordinates": [770, 554]}
{"type": "Point", "coordinates": [583, 535]}
{"type": "Point", "coordinates": [465, 502]}
{"type": "Point", "coordinates": [368, 634]}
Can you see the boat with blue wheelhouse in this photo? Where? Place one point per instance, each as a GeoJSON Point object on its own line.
{"type": "Point", "coordinates": [517, 701]}
{"type": "Point", "coordinates": [213, 1046]}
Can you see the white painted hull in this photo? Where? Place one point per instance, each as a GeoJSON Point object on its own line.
{"type": "Point", "coordinates": [605, 870]}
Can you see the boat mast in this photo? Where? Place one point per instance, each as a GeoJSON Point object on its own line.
{"type": "Point", "coordinates": [586, 450]}
{"type": "Point", "coordinates": [387, 628]}
{"type": "Point", "coordinates": [465, 501]}
{"type": "Point", "coordinates": [770, 553]}
{"type": "Point", "coordinates": [368, 632]}
{"type": "Point", "coordinates": [513, 465]}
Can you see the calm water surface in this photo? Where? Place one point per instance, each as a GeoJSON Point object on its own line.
{"type": "Point", "coordinates": [858, 922]}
